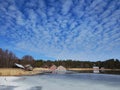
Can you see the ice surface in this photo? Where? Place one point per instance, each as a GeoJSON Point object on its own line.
{"type": "Point", "coordinates": [77, 81]}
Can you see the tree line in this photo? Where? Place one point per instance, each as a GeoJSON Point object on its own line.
{"type": "Point", "coordinates": [8, 60]}
{"type": "Point", "coordinates": [109, 64]}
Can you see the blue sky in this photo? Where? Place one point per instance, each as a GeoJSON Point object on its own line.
{"type": "Point", "coordinates": [61, 29]}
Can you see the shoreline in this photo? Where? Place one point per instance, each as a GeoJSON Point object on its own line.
{"type": "Point", "coordinates": [90, 69]}
{"type": "Point", "coordinates": [21, 72]}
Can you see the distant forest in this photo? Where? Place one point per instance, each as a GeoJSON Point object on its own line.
{"type": "Point", "coordinates": [8, 60]}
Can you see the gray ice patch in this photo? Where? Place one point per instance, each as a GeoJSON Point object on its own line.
{"type": "Point", "coordinates": [2, 87]}
{"type": "Point", "coordinates": [36, 88]}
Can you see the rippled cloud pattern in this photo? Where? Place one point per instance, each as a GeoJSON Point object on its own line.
{"type": "Point", "coordinates": [61, 29]}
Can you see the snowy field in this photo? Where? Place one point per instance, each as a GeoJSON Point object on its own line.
{"type": "Point", "coordinates": [76, 81]}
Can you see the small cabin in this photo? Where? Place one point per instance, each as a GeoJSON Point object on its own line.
{"type": "Point", "coordinates": [28, 67]}
{"type": "Point", "coordinates": [61, 68]}
{"type": "Point", "coordinates": [53, 68]}
{"type": "Point", "coordinates": [95, 69]}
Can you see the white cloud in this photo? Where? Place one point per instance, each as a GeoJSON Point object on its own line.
{"type": "Point", "coordinates": [77, 33]}
{"type": "Point", "coordinates": [66, 6]}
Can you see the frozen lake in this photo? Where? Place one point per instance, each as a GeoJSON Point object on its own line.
{"type": "Point", "coordinates": [74, 81]}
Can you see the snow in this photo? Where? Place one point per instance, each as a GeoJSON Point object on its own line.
{"type": "Point", "coordinates": [63, 82]}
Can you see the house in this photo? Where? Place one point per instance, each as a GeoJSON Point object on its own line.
{"type": "Point", "coordinates": [95, 69]}
{"type": "Point", "coordinates": [53, 68]}
{"type": "Point", "coordinates": [61, 70]}
{"type": "Point", "coordinates": [28, 67]}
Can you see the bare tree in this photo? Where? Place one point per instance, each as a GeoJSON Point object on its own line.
{"type": "Point", "coordinates": [7, 58]}
{"type": "Point", "coordinates": [27, 59]}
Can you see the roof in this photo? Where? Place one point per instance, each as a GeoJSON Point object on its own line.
{"type": "Point", "coordinates": [61, 68]}
{"type": "Point", "coordinates": [53, 68]}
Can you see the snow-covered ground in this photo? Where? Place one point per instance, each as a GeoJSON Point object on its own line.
{"type": "Point", "coordinates": [61, 82]}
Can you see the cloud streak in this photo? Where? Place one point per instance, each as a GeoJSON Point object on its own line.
{"type": "Point", "coordinates": [76, 29]}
